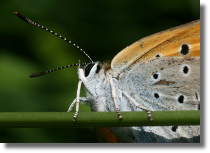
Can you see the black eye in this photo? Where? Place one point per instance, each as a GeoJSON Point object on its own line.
{"type": "Point", "coordinates": [185, 49]}
{"type": "Point", "coordinates": [98, 68]}
{"type": "Point", "coordinates": [89, 67]}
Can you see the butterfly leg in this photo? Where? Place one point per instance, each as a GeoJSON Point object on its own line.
{"type": "Point", "coordinates": [83, 99]}
{"type": "Point", "coordinates": [77, 100]}
{"type": "Point", "coordinates": [72, 104]}
{"type": "Point", "coordinates": [115, 96]}
{"type": "Point", "coordinates": [139, 106]}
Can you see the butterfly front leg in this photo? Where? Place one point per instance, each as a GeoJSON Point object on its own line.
{"type": "Point", "coordinates": [77, 100]}
{"type": "Point", "coordinates": [82, 99]}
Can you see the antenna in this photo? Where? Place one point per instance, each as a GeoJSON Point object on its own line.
{"type": "Point", "coordinates": [53, 70]}
{"type": "Point", "coordinates": [33, 23]}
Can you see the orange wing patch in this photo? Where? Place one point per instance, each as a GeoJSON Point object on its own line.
{"type": "Point", "coordinates": [183, 40]}
{"type": "Point", "coordinates": [105, 136]}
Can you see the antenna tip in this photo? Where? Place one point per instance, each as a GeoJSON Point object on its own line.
{"type": "Point", "coordinates": [36, 74]}
{"type": "Point", "coordinates": [16, 13]}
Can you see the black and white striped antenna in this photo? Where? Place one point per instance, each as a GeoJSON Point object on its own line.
{"type": "Point", "coordinates": [45, 72]}
{"type": "Point", "coordinates": [53, 70]}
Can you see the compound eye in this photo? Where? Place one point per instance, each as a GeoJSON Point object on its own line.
{"type": "Point", "coordinates": [89, 67]}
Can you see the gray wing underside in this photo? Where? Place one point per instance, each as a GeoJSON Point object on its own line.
{"type": "Point", "coordinates": [158, 85]}
{"type": "Point", "coordinates": [156, 134]}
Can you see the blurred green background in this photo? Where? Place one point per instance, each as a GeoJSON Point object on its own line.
{"type": "Point", "coordinates": [101, 28]}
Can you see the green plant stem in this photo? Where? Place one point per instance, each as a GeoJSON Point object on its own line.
{"type": "Point", "coordinates": [96, 119]}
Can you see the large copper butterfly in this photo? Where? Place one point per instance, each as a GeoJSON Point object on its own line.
{"type": "Point", "coordinates": [157, 73]}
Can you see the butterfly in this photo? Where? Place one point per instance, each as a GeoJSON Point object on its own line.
{"type": "Point", "coordinates": [160, 72]}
